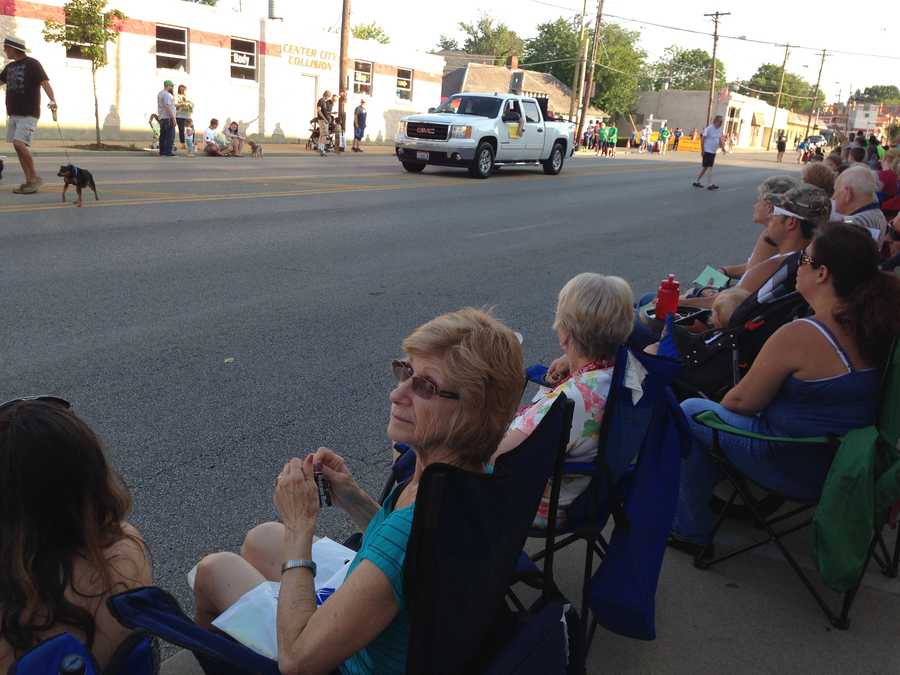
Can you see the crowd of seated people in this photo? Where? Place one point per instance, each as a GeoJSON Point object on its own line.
{"type": "Point", "coordinates": [67, 545]}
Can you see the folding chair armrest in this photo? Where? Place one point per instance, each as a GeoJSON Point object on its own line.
{"type": "Point", "coordinates": [536, 373]}
{"type": "Point", "coordinates": [711, 420]}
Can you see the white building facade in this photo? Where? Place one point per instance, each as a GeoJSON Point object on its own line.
{"type": "Point", "coordinates": [237, 65]}
{"type": "Point", "coordinates": [748, 118]}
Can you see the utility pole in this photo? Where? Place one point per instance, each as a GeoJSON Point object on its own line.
{"type": "Point", "coordinates": [712, 70]}
{"type": "Point", "coordinates": [578, 75]}
{"type": "Point", "coordinates": [778, 99]}
{"type": "Point", "coordinates": [589, 80]}
{"type": "Point", "coordinates": [815, 103]}
{"type": "Point", "coordinates": [342, 67]}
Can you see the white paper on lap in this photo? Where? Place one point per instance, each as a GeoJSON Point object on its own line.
{"type": "Point", "coordinates": [251, 620]}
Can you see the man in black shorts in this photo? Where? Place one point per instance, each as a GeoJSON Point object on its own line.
{"type": "Point", "coordinates": [710, 143]}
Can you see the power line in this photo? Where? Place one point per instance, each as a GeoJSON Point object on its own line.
{"type": "Point", "coordinates": [742, 38]}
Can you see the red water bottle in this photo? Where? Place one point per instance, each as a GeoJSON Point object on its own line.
{"type": "Point", "coordinates": [667, 297]}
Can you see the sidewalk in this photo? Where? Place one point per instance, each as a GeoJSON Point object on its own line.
{"type": "Point", "coordinates": [41, 148]}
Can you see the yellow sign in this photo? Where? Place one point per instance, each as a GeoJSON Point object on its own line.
{"type": "Point", "coordinates": [309, 57]}
{"type": "Point", "coordinates": [515, 130]}
{"type": "Point", "coordinates": [688, 145]}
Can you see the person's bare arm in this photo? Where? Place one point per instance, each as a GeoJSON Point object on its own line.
{"type": "Point", "coordinates": [758, 275]}
{"type": "Point", "coordinates": [705, 302]}
{"type": "Point", "coordinates": [780, 357]}
{"type": "Point", "coordinates": [317, 641]}
{"type": "Point", "coordinates": [45, 85]}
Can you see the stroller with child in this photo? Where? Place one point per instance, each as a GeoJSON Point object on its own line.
{"type": "Point", "coordinates": [715, 359]}
{"type": "Point", "coordinates": [314, 133]}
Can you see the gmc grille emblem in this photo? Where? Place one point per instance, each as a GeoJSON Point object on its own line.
{"type": "Point", "coordinates": [425, 130]}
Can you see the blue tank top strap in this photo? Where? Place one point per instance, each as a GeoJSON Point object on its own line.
{"type": "Point", "coordinates": [823, 329]}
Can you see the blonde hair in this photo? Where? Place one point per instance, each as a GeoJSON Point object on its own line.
{"type": "Point", "coordinates": [481, 359]}
{"type": "Point", "coordinates": [821, 175]}
{"type": "Point", "coordinates": [597, 312]}
{"type": "Point", "coordinates": [726, 303]}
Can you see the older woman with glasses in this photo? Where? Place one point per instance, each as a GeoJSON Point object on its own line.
{"type": "Point", "coordinates": [456, 392]}
{"type": "Point", "coordinates": [814, 376]}
{"type": "Point", "coordinates": [594, 316]}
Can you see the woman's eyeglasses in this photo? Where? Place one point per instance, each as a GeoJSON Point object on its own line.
{"type": "Point", "coordinates": [807, 259]}
{"type": "Point", "coordinates": [54, 400]}
{"type": "Point", "coordinates": [421, 385]}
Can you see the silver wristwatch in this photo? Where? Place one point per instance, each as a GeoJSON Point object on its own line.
{"type": "Point", "coordinates": [294, 564]}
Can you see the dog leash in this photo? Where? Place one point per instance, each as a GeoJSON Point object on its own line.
{"type": "Point", "coordinates": [59, 130]}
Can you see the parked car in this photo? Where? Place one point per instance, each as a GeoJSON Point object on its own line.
{"type": "Point", "coordinates": [817, 141]}
{"type": "Point", "coordinates": [482, 131]}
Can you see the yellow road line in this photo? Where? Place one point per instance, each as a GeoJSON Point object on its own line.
{"type": "Point", "coordinates": [181, 198]}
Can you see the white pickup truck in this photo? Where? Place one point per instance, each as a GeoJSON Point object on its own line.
{"type": "Point", "coordinates": [482, 131]}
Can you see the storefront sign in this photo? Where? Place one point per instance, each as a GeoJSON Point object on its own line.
{"type": "Point", "coordinates": [241, 59]}
{"type": "Point", "coordinates": [309, 57]}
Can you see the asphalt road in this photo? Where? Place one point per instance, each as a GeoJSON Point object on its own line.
{"type": "Point", "coordinates": [212, 318]}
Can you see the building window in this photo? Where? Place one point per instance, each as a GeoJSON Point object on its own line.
{"type": "Point", "coordinates": [171, 47]}
{"type": "Point", "coordinates": [243, 59]}
{"type": "Point", "coordinates": [362, 77]}
{"type": "Point", "coordinates": [404, 83]}
{"type": "Point", "coordinates": [75, 51]}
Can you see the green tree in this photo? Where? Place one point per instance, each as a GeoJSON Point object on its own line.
{"type": "Point", "coordinates": [88, 28]}
{"type": "Point", "coordinates": [491, 39]}
{"type": "Point", "coordinates": [620, 63]}
{"type": "Point", "coordinates": [767, 77]}
{"type": "Point", "coordinates": [447, 43]}
{"type": "Point", "coordinates": [685, 69]}
{"type": "Point", "coordinates": [370, 31]}
{"type": "Point", "coordinates": [879, 93]}
{"type": "Point", "coordinates": [553, 50]}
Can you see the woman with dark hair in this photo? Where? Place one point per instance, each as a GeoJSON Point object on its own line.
{"type": "Point", "coordinates": [814, 376]}
{"type": "Point", "coordinates": [65, 544]}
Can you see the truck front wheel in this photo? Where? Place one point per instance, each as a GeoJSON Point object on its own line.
{"type": "Point", "coordinates": [413, 167]}
{"type": "Point", "coordinates": [554, 164]}
{"type": "Point", "coordinates": [483, 163]}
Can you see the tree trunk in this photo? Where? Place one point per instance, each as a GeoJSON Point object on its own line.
{"type": "Point", "coordinates": [96, 104]}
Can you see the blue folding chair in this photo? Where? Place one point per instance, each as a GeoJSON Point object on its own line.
{"type": "Point", "coordinates": [492, 537]}
{"type": "Point", "coordinates": [634, 478]}
{"type": "Point", "coordinates": [63, 653]}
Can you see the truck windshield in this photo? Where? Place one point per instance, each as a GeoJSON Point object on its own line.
{"type": "Point", "coordinates": [483, 106]}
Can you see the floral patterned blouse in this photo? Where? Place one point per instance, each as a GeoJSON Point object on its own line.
{"type": "Point", "coordinates": [588, 388]}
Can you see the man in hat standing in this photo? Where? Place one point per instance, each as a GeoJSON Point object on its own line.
{"type": "Point", "coordinates": [24, 78]}
{"type": "Point", "coordinates": [165, 108]}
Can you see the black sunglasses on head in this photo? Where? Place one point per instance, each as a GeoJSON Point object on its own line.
{"type": "Point", "coordinates": [54, 400]}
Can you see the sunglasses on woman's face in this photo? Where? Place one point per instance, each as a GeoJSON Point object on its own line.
{"type": "Point", "coordinates": [422, 386]}
{"type": "Point", "coordinates": [53, 400]}
{"type": "Point", "coordinates": [807, 259]}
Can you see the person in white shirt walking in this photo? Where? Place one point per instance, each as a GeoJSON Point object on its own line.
{"type": "Point", "coordinates": [711, 142]}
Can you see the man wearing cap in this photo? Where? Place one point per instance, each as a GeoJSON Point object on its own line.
{"type": "Point", "coordinates": [24, 78]}
{"type": "Point", "coordinates": [165, 108]}
{"type": "Point", "coordinates": [795, 216]}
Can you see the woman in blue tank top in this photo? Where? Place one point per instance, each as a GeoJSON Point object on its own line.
{"type": "Point", "coordinates": [456, 392]}
{"type": "Point", "coordinates": [813, 377]}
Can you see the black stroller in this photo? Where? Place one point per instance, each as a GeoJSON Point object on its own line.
{"type": "Point", "coordinates": [315, 131]}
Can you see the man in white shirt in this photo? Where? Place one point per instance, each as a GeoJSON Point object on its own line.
{"type": "Point", "coordinates": [212, 140]}
{"type": "Point", "coordinates": [710, 143]}
{"type": "Point", "coordinates": [165, 108]}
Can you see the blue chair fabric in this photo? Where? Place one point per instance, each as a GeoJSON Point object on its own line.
{"type": "Point", "coordinates": [48, 656]}
{"type": "Point", "coordinates": [155, 611]}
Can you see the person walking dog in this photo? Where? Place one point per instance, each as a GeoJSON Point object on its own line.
{"type": "Point", "coordinates": [24, 78]}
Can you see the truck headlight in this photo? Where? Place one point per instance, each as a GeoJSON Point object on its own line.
{"type": "Point", "coordinates": [401, 129]}
{"type": "Point", "coordinates": [460, 131]}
